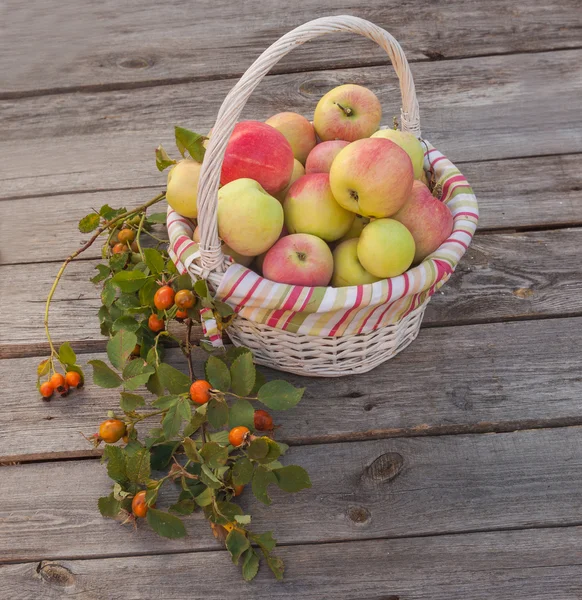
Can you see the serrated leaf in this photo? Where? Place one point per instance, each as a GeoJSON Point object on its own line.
{"type": "Point", "coordinates": [243, 373]}
{"type": "Point", "coordinates": [273, 451]}
{"type": "Point", "coordinates": [204, 498]}
{"type": "Point", "coordinates": [243, 519]}
{"type": "Point", "coordinates": [217, 413]}
{"type": "Point", "coordinates": [109, 506]}
{"type": "Point", "coordinates": [227, 511]}
{"type": "Point", "coordinates": [154, 260]}
{"type": "Point", "coordinates": [103, 273]}
{"type": "Point", "coordinates": [161, 454]}
{"type": "Point", "coordinates": [109, 213]}
{"type": "Point", "coordinates": [118, 261]}
{"type": "Point", "coordinates": [292, 478]}
{"type": "Point", "coordinates": [242, 413]}
{"type": "Point", "coordinates": [209, 478]}
{"type": "Point", "coordinates": [147, 293]}
{"type": "Point", "coordinates": [66, 354]}
{"type": "Point", "coordinates": [250, 566]}
{"type": "Point", "coordinates": [108, 293]}
{"type": "Point", "coordinates": [136, 372]}
{"type": "Point", "coordinates": [125, 323]}
{"type": "Point", "coordinates": [223, 309]}
{"type": "Point", "coordinates": [261, 481]}
{"type": "Point", "coordinates": [217, 373]}
{"type": "Point", "coordinates": [154, 385]}
{"type": "Point", "coordinates": [276, 565]}
{"type": "Point", "coordinates": [89, 223]}
{"type": "Point", "coordinates": [219, 436]}
{"type": "Point", "coordinates": [236, 543]}
{"type": "Point", "coordinates": [164, 402]}
{"type": "Point", "coordinates": [116, 467]}
{"type": "Point", "coordinates": [157, 218]}
{"type": "Point", "coordinates": [173, 380]}
{"type": "Point", "coordinates": [103, 376]}
{"type": "Point", "coordinates": [127, 302]}
{"type": "Point", "coordinates": [43, 367]}
{"type": "Point", "coordinates": [266, 541]}
{"type": "Point", "coordinates": [138, 466]}
{"type": "Point", "coordinates": [165, 524]}
{"type": "Point", "coordinates": [129, 402]}
{"type": "Point", "coordinates": [172, 422]}
{"type": "Point", "coordinates": [191, 450]}
{"type": "Point", "coordinates": [258, 449]}
{"type": "Point", "coordinates": [242, 471]}
{"type": "Point", "coordinates": [187, 140]}
{"type": "Point", "coordinates": [129, 281]}
{"type": "Point", "coordinates": [280, 395]}
{"type": "Point", "coordinates": [201, 289]}
{"type": "Point", "coordinates": [183, 282]}
{"type": "Point", "coordinates": [163, 159]}
{"type": "Point", "coordinates": [120, 347]}
{"type": "Point", "coordinates": [184, 507]}
{"type": "Point", "coordinates": [184, 408]}
{"type": "Point", "coordinates": [195, 422]}
{"type": "Point", "coordinates": [214, 454]}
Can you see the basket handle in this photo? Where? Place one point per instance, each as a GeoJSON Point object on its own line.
{"type": "Point", "coordinates": [211, 255]}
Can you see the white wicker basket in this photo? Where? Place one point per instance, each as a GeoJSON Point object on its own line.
{"type": "Point", "coordinates": [313, 355]}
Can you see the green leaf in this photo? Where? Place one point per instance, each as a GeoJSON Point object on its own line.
{"type": "Point", "coordinates": [184, 408]}
{"type": "Point", "coordinates": [164, 402]}
{"type": "Point", "coordinates": [163, 160]}
{"type": "Point", "coordinates": [89, 223]}
{"type": "Point", "coordinates": [172, 422]}
{"type": "Point", "coordinates": [183, 282]}
{"type": "Point", "coordinates": [126, 302]}
{"type": "Point", "coordinates": [43, 367]}
{"type": "Point", "coordinates": [258, 449]}
{"type": "Point", "coordinates": [129, 281]}
{"type": "Point", "coordinates": [184, 507]}
{"type": "Point", "coordinates": [137, 372]}
{"type": "Point", "coordinates": [204, 498]}
{"type": "Point", "coordinates": [219, 436]}
{"type": "Point", "coordinates": [261, 481]}
{"type": "Point", "coordinates": [118, 261]}
{"type": "Point", "coordinates": [292, 478]}
{"type": "Point", "coordinates": [66, 354]}
{"type": "Point", "coordinates": [165, 524]}
{"type": "Point", "coordinates": [191, 450]}
{"type": "Point", "coordinates": [103, 376]}
{"type": "Point", "coordinates": [116, 468]}
{"type": "Point", "coordinates": [147, 293]}
{"type": "Point", "coordinates": [214, 455]}
{"type": "Point", "coordinates": [109, 506]}
{"type": "Point", "coordinates": [273, 451]}
{"type": "Point", "coordinates": [217, 413]}
{"type": "Point", "coordinates": [242, 471]}
{"type": "Point", "coordinates": [250, 566]}
{"type": "Point", "coordinates": [236, 543]}
{"type": "Point", "coordinates": [276, 565]}
{"type": "Point", "coordinates": [108, 293]}
{"type": "Point", "coordinates": [209, 478]}
{"type": "Point", "coordinates": [125, 323]}
{"type": "Point", "coordinates": [190, 141]}
{"type": "Point", "coordinates": [138, 466]}
{"type": "Point", "coordinates": [201, 289]}
{"type": "Point", "coordinates": [109, 213]}
{"type": "Point", "coordinates": [223, 309]}
{"type": "Point", "coordinates": [157, 218]}
{"type": "Point", "coordinates": [228, 511]}
{"type": "Point", "coordinates": [217, 373]}
{"type": "Point", "coordinates": [161, 454]}
{"type": "Point", "coordinates": [243, 373]}
{"type": "Point", "coordinates": [243, 519]}
{"type": "Point", "coordinates": [173, 380]}
{"type": "Point", "coordinates": [154, 260]}
{"type": "Point", "coordinates": [242, 413]}
{"type": "Point", "coordinates": [266, 541]}
{"type": "Point", "coordinates": [103, 273]}
{"type": "Point", "coordinates": [280, 395]}
{"type": "Point", "coordinates": [194, 424]}
{"type": "Point", "coordinates": [120, 346]}
{"type": "Point", "coordinates": [129, 402]}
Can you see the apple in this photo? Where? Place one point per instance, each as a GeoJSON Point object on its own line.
{"type": "Point", "coordinates": [429, 220]}
{"type": "Point", "coordinates": [348, 112]}
{"type": "Point", "coordinates": [259, 260]}
{"type": "Point", "coordinates": [239, 258]}
{"type": "Point", "coordinates": [298, 131]}
{"type": "Point", "coordinates": [356, 229]}
{"type": "Point", "coordinates": [182, 189]}
{"type": "Point", "coordinates": [372, 177]}
{"type": "Point", "coordinates": [249, 219]}
{"type": "Point", "coordinates": [385, 248]}
{"type": "Point", "coordinates": [321, 157]}
{"type": "Point", "coordinates": [409, 143]}
{"type": "Point", "coordinates": [260, 152]}
{"type": "Point", "coordinates": [298, 171]}
{"type": "Point", "coordinates": [347, 268]}
{"type": "Point", "coordinates": [311, 208]}
{"type": "Point", "coordinates": [299, 259]}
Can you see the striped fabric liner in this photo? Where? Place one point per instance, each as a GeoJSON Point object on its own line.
{"type": "Point", "coordinates": [349, 310]}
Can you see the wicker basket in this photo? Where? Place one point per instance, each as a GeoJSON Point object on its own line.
{"type": "Point", "coordinates": [349, 348]}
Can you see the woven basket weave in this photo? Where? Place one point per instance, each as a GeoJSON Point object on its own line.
{"type": "Point", "coordinates": [286, 329]}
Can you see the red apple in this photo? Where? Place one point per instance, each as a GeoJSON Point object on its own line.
{"type": "Point", "coordinates": [299, 259]}
{"type": "Point", "coordinates": [298, 131]}
{"type": "Point", "coordinates": [260, 152]}
{"type": "Point", "coordinates": [321, 157]}
{"type": "Point", "coordinates": [429, 220]}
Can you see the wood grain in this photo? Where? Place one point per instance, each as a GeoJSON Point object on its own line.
{"type": "Point", "coordinates": [502, 276]}
{"type": "Point", "coordinates": [474, 109]}
{"type": "Point", "coordinates": [481, 378]}
{"type": "Point", "coordinates": [147, 42]}
{"type": "Point", "coordinates": [362, 490]}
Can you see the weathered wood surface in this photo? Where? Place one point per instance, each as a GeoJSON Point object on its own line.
{"type": "Point", "coordinates": [520, 565]}
{"type": "Point", "coordinates": [502, 276]}
{"type": "Point", "coordinates": [147, 43]}
{"type": "Point", "coordinates": [386, 488]}
{"type": "Point", "coordinates": [511, 194]}
{"type": "Point", "coordinates": [451, 380]}
{"type": "Point", "coordinates": [487, 108]}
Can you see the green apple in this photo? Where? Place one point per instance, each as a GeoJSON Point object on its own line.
{"type": "Point", "coordinates": [297, 130]}
{"type": "Point", "coordinates": [182, 190]}
{"type": "Point", "coordinates": [386, 248]}
{"type": "Point", "coordinates": [249, 219]}
{"type": "Point", "coordinates": [311, 208]}
{"type": "Point", "coordinates": [298, 171]}
{"type": "Point", "coordinates": [409, 143]}
{"type": "Point", "coordinates": [347, 269]}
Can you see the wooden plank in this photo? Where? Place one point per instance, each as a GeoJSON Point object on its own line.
{"type": "Point", "coordinates": [481, 378]}
{"type": "Point", "coordinates": [502, 276]}
{"type": "Point", "coordinates": [474, 109]}
{"type": "Point", "coordinates": [386, 488]}
{"type": "Point", "coordinates": [515, 197]}
{"type": "Point", "coordinates": [147, 43]}
{"type": "Point", "coordinates": [521, 565]}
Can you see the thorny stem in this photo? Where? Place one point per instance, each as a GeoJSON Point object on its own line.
{"type": "Point", "coordinates": [74, 255]}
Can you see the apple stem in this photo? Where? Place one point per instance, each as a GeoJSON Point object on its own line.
{"type": "Point", "coordinates": [347, 110]}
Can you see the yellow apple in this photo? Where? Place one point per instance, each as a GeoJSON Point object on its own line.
{"type": "Point", "coordinates": [297, 130]}
{"type": "Point", "coordinates": [409, 143]}
{"type": "Point", "coordinates": [356, 229]}
{"type": "Point", "coordinates": [386, 248]}
{"type": "Point", "coordinates": [347, 269]}
{"type": "Point", "coordinates": [249, 219]}
{"type": "Point", "coordinates": [298, 171]}
{"type": "Point", "coordinates": [182, 190]}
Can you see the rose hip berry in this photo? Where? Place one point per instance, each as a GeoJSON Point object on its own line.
{"type": "Point", "coordinates": [200, 391]}
{"type": "Point", "coordinates": [238, 489]}
{"type": "Point", "coordinates": [237, 435]}
{"type": "Point", "coordinates": [263, 420]}
{"type": "Point", "coordinates": [73, 379]}
{"type": "Point", "coordinates": [181, 314]}
{"type": "Point", "coordinates": [46, 390]}
{"type": "Point", "coordinates": [138, 505]}
{"type": "Point", "coordinates": [112, 430]}
{"type": "Point", "coordinates": [119, 248]}
{"type": "Point", "coordinates": [57, 381]}
{"type": "Point", "coordinates": [126, 236]}
{"type": "Point", "coordinates": [164, 297]}
{"type": "Point", "coordinates": [184, 299]}
{"type": "Point", "coordinates": [155, 323]}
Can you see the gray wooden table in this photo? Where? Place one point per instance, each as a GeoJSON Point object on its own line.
{"type": "Point", "coordinates": [451, 472]}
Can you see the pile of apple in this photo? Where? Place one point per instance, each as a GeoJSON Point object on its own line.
{"type": "Point", "coordinates": [338, 201]}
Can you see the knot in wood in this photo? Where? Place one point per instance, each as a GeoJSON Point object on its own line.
{"type": "Point", "coordinates": [358, 514]}
{"type": "Point", "coordinates": [385, 468]}
{"type": "Point", "coordinates": [55, 574]}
